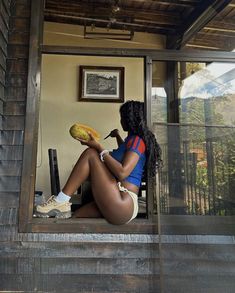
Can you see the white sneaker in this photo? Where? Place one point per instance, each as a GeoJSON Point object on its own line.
{"type": "Point", "coordinates": [52, 208]}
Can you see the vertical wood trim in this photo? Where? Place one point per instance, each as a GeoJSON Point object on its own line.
{"type": "Point", "coordinates": [148, 97]}
{"type": "Point", "coordinates": [32, 110]}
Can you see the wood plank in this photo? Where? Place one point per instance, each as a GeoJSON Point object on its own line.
{"type": "Point", "coordinates": [2, 76]}
{"type": "Point", "coordinates": [89, 283]}
{"type": "Point", "coordinates": [10, 184]}
{"type": "Point", "coordinates": [3, 44]}
{"type": "Point", "coordinates": [80, 250]}
{"type": "Point", "coordinates": [195, 252]}
{"type": "Point", "coordinates": [2, 89]}
{"type": "Point", "coordinates": [19, 24]}
{"type": "Point", "coordinates": [17, 66]}
{"type": "Point", "coordinates": [18, 38]}
{"type": "Point", "coordinates": [11, 137]}
{"type": "Point", "coordinates": [18, 51]}
{"type": "Point", "coordinates": [16, 94]}
{"type": "Point", "coordinates": [194, 221]}
{"type": "Point", "coordinates": [220, 229]}
{"type": "Point", "coordinates": [14, 108]}
{"type": "Point", "coordinates": [204, 225]}
{"type": "Point", "coordinates": [202, 284]}
{"type": "Point", "coordinates": [9, 199]}
{"type": "Point", "coordinates": [4, 12]}
{"type": "Point", "coordinates": [11, 233]}
{"type": "Point", "coordinates": [6, 4]}
{"type": "Point", "coordinates": [1, 107]}
{"type": "Point", "coordinates": [13, 123]}
{"type": "Point", "coordinates": [2, 60]}
{"type": "Point", "coordinates": [10, 168]}
{"type": "Point", "coordinates": [20, 8]}
{"type": "Point", "coordinates": [182, 268]}
{"type": "Point", "coordinates": [137, 226]}
{"type": "Point", "coordinates": [11, 153]}
{"type": "Point", "coordinates": [32, 120]}
{"type": "Point", "coordinates": [3, 28]}
{"type": "Point", "coordinates": [16, 80]}
{"type": "Point", "coordinates": [160, 55]}
{"type": "Point", "coordinates": [8, 216]}
{"type": "Point", "coordinates": [79, 266]}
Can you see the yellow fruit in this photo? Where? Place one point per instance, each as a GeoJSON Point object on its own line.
{"type": "Point", "coordinates": [82, 131]}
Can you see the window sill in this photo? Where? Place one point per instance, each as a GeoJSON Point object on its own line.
{"type": "Point", "coordinates": [52, 225]}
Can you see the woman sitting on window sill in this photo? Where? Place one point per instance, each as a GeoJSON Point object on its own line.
{"type": "Point", "coordinates": [115, 176]}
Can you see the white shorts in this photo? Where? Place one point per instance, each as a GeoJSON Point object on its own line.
{"type": "Point", "coordinates": [134, 198]}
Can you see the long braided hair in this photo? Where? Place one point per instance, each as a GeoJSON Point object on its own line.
{"type": "Point", "coordinates": [133, 116]}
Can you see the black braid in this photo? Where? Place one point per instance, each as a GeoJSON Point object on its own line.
{"type": "Point", "coordinates": [133, 115]}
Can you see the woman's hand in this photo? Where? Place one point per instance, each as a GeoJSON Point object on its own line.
{"type": "Point", "coordinates": [113, 133]}
{"type": "Point", "coordinates": [92, 143]}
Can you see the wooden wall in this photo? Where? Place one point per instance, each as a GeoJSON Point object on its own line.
{"type": "Point", "coordinates": [15, 45]}
{"type": "Point", "coordinates": [4, 20]}
{"type": "Point", "coordinates": [39, 262]}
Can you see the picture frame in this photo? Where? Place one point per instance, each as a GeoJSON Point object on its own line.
{"type": "Point", "coordinates": [101, 84]}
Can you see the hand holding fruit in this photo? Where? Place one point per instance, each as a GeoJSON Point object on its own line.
{"type": "Point", "coordinates": [91, 142]}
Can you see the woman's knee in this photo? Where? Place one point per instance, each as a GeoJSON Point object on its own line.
{"type": "Point", "coordinates": [90, 152]}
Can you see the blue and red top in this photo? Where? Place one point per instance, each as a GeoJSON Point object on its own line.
{"type": "Point", "coordinates": [132, 143]}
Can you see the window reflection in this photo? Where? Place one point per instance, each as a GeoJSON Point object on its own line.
{"type": "Point", "coordinates": [159, 104]}
{"type": "Point", "coordinates": [207, 96]}
{"type": "Point", "coordinates": [198, 175]}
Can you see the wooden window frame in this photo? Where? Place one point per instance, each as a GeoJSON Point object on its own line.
{"type": "Point", "coordinates": [26, 221]}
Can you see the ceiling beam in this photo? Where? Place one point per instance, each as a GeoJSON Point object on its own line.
{"type": "Point", "coordinates": [184, 3]}
{"type": "Point", "coordinates": [224, 44]}
{"type": "Point", "coordinates": [79, 20]}
{"type": "Point", "coordinates": [197, 20]}
{"type": "Point", "coordinates": [104, 12]}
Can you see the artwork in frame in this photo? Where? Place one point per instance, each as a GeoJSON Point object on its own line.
{"type": "Point", "coordinates": [101, 84]}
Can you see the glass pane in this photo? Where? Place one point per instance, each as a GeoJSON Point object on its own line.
{"type": "Point", "coordinates": [198, 150]}
{"type": "Point", "coordinates": [207, 93]}
{"type": "Point", "coordinates": [198, 175]}
{"type": "Point", "coordinates": [159, 96]}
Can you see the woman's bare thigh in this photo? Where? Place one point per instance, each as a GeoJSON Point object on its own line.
{"type": "Point", "coordinates": [116, 207]}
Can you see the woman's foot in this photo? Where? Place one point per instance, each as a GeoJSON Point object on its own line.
{"type": "Point", "coordinates": [52, 208]}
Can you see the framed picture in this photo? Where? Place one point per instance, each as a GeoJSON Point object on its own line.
{"type": "Point", "coordinates": [101, 84]}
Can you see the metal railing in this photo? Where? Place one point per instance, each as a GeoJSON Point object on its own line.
{"type": "Point", "coordinates": [198, 175]}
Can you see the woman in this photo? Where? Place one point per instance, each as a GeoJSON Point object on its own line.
{"type": "Point", "coordinates": [115, 176]}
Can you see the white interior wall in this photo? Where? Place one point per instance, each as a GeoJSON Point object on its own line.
{"type": "Point", "coordinates": [59, 106]}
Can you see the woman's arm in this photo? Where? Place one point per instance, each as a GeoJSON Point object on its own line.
{"type": "Point", "coordinates": [123, 169]}
{"type": "Point", "coordinates": [115, 133]}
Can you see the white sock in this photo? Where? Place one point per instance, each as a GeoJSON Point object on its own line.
{"type": "Point", "coordinates": [62, 197]}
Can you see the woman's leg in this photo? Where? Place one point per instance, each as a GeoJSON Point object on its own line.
{"type": "Point", "coordinates": [116, 207]}
{"type": "Point", "coordinates": [89, 210]}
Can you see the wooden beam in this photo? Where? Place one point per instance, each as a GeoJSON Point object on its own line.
{"type": "Point", "coordinates": [126, 13]}
{"type": "Point", "coordinates": [183, 3]}
{"type": "Point", "coordinates": [31, 121]}
{"type": "Point", "coordinates": [104, 22]}
{"type": "Point", "coordinates": [226, 25]}
{"type": "Point", "coordinates": [197, 20]}
{"type": "Point", "coordinates": [228, 44]}
{"type": "Point", "coordinates": [161, 55]}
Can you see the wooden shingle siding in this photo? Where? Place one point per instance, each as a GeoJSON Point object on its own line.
{"type": "Point", "coordinates": [14, 41]}
{"type": "Point", "coordinates": [4, 20]}
{"type": "Point", "coordinates": [82, 283]}
{"type": "Point", "coordinates": [11, 137]}
{"type": "Point", "coordinates": [15, 94]}
{"type": "Point", "coordinates": [207, 268]}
